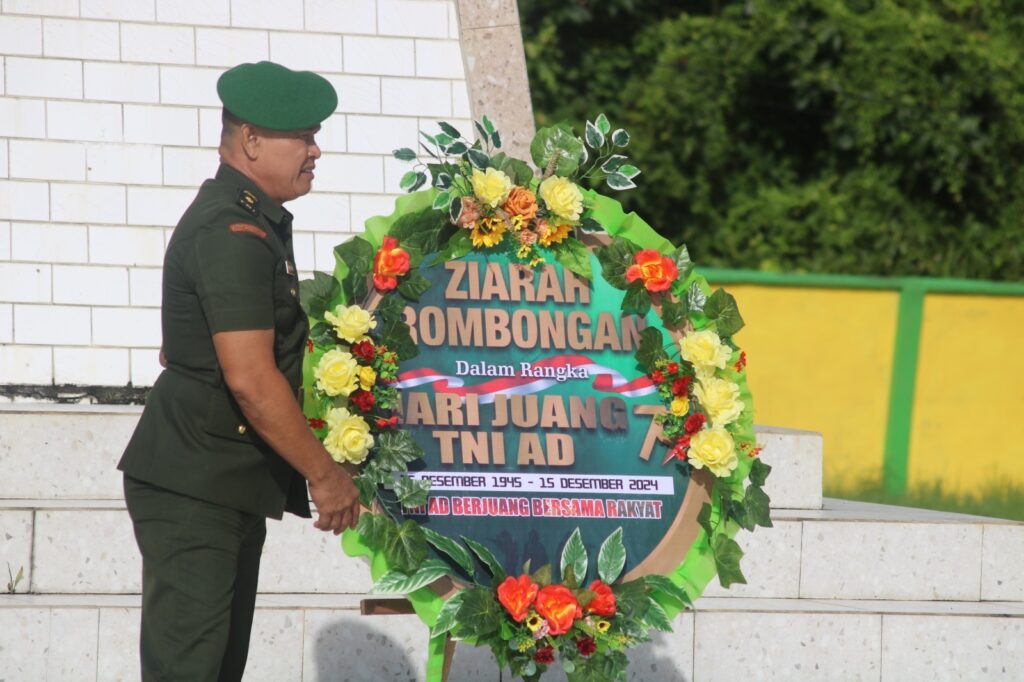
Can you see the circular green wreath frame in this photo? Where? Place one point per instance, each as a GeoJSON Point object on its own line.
{"type": "Point", "coordinates": [699, 565]}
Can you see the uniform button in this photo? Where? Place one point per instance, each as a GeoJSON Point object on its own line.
{"type": "Point", "coordinates": [241, 429]}
{"type": "Point", "coordinates": [294, 293]}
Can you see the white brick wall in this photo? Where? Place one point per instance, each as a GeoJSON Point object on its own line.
{"type": "Point", "coordinates": [109, 121]}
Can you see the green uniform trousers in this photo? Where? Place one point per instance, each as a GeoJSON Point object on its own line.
{"type": "Point", "coordinates": [200, 566]}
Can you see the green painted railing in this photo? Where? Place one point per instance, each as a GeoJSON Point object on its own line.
{"type": "Point", "coordinates": [910, 314]}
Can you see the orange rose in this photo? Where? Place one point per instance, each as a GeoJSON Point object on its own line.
{"type": "Point", "coordinates": [657, 271]}
{"type": "Point", "coordinates": [391, 262]}
{"type": "Point", "coordinates": [516, 595]}
{"type": "Point", "coordinates": [559, 608]}
{"type": "Point", "coordinates": [603, 603]}
{"type": "Point", "coordinates": [521, 201]}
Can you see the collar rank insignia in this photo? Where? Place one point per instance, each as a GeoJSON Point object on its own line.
{"type": "Point", "coordinates": [289, 267]}
{"type": "Point", "coordinates": [248, 201]}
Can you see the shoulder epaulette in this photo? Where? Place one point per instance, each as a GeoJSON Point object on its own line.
{"type": "Point", "coordinates": [248, 201]}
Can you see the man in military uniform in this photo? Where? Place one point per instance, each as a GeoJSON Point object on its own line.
{"type": "Point", "coordinates": [222, 443]}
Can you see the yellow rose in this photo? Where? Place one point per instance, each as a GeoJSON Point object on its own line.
{"type": "Point", "coordinates": [562, 197]}
{"type": "Point", "coordinates": [348, 436]}
{"type": "Point", "coordinates": [351, 322]}
{"type": "Point", "coordinates": [713, 448]}
{"type": "Point", "coordinates": [336, 373]}
{"type": "Point", "coordinates": [680, 406]}
{"type": "Point", "coordinates": [705, 351]}
{"type": "Point", "coordinates": [491, 187]}
{"type": "Point", "coordinates": [720, 399]}
{"type": "Point", "coordinates": [367, 377]}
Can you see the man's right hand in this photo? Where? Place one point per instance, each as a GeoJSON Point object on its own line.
{"type": "Point", "coordinates": [336, 498]}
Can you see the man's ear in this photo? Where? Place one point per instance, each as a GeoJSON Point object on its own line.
{"type": "Point", "coordinates": [250, 141]}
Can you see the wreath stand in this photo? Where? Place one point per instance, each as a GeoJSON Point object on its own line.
{"type": "Point", "coordinates": [441, 650]}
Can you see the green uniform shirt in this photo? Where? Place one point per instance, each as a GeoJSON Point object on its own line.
{"type": "Point", "coordinates": [229, 266]}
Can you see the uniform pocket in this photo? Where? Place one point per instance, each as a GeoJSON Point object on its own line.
{"type": "Point", "coordinates": [224, 418]}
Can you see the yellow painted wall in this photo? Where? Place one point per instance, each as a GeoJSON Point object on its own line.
{"type": "Point", "coordinates": [821, 360]}
{"type": "Point", "coordinates": [968, 424]}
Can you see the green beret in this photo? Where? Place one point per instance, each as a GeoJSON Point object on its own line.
{"type": "Point", "coordinates": [272, 96]}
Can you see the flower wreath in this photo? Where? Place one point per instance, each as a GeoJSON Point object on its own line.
{"type": "Point", "coordinates": [483, 200]}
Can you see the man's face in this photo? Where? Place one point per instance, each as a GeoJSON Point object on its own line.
{"type": "Point", "coordinates": [286, 161]}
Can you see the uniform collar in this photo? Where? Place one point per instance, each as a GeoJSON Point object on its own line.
{"type": "Point", "coordinates": [275, 212]}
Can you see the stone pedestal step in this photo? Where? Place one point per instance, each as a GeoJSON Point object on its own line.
{"type": "Point", "coordinates": [70, 452]}
{"type": "Point", "coordinates": [321, 638]}
{"type": "Point", "coordinates": [845, 551]}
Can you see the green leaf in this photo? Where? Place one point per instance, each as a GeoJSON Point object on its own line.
{"type": "Point", "coordinates": [683, 262]}
{"type": "Point", "coordinates": [602, 124]}
{"type": "Point", "coordinates": [375, 528]}
{"type": "Point", "coordinates": [443, 139]}
{"type": "Point", "coordinates": [590, 225]}
{"type": "Point", "coordinates": [572, 254]}
{"type": "Point", "coordinates": [395, 449]}
{"type": "Point", "coordinates": [397, 582]}
{"type": "Point", "coordinates": [741, 515]}
{"type": "Point", "coordinates": [423, 229]}
{"type": "Point", "coordinates": [441, 201]}
{"type": "Point", "coordinates": [478, 159]}
{"type": "Point", "coordinates": [631, 599]}
{"type": "Point", "coordinates": [459, 244]}
{"type": "Point", "coordinates": [481, 132]}
{"type": "Point", "coordinates": [449, 129]}
{"type": "Point", "coordinates": [404, 154]}
{"type": "Point", "coordinates": [480, 613]}
{"type": "Point", "coordinates": [487, 558]}
{"type": "Point", "coordinates": [519, 172]}
{"type": "Point", "coordinates": [390, 308]}
{"type": "Point", "coordinates": [496, 139]}
{"type": "Point", "coordinates": [704, 519]}
{"type": "Point", "coordinates": [447, 617]}
{"type": "Point", "coordinates": [488, 126]}
{"type": "Point", "coordinates": [574, 554]}
{"type": "Point", "coordinates": [556, 142]}
{"type": "Point", "coordinates": [722, 310]}
{"type": "Point", "coordinates": [657, 618]}
{"type": "Point", "coordinates": [651, 348]}
{"type": "Point", "coordinates": [317, 293]}
{"type": "Point", "coordinates": [457, 148]}
{"type": "Point", "coordinates": [594, 137]}
{"type": "Point", "coordinates": [665, 586]}
{"type": "Point", "coordinates": [357, 254]}
{"type": "Point", "coordinates": [611, 558]}
{"type": "Point", "coordinates": [619, 181]}
{"type": "Point", "coordinates": [421, 179]}
{"type": "Point", "coordinates": [542, 576]}
{"type": "Point", "coordinates": [674, 313]}
{"type": "Point", "coordinates": [367, 486]}
{"type": "Point", "coordinates": [620, 138]}
{"type": "Point", "coordinates": [458, 553]}
{"type": "Point", "coordinates": [442, 181]}
{"type": "Point", "coordinates": [695, 297]}
{"type": "Point", "coordinates": [759, 472]}
{"type": "Point", "coordinates": [568, 666]}
{"type": "Point", "coordinates": [727, 560]}
{"type": "Point", "coordinates": [412, 492]}
{"type": "Point", "coordinates": [613, 163]}
{"type": "Point", "coordinates": [758, 506]}
{"type": "Point", "coordinates": [455, 208]}
{"type": "Point", "coordinates": [636, 300]}
{"type": "Point", "coordinates": [629, 171]}
{"type": "Point", "coordinates": [429, 138]}
{"type": "Point", "coordinates": [408, 180]}
{"type": "Point", "coordinates": [406, 548]}
{"type": "Point", "coordinates": [396, 336]}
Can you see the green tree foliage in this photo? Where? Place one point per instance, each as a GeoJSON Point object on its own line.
{"type": "Point", "coordinates": [858, 136]}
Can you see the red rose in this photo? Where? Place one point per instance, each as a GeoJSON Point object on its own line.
{"type": "Point", "coordinates": [516, 595]}
{"type": "Point", "coordinates": [364, 350]}
{"type": "Point", "coordinates": [586, 646]}
{"type": "Point", "coordinates": [694, 422]}
{"type": "Point", "coordinates": [559, 608]}
{"type": "Point", "coordinates": [672, 367]}
{"type": "Point", "coordinates": [679, 450]}
{"type": "Point", "coordinates": [545, 655]}
{"type": "Point", "coordinates": [363, 400]}
{"type": "Point", "coordinates": [603, 603]}
{"type": "Point", "coordinates": [656, 271]}
{"type": "Point", "coordinates": [390, 263]}
{"type": "Point", "coordinates": [680, 385]}
{"type": "Point", "coordinates": [657, 376]}
{"type": "Point", "coordinates": [315, 423]}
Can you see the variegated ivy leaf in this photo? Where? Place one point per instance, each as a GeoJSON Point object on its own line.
{"type": "Point", "coordinates": [479, 159]}
{"type": "Point", "coordinates": [455, 209]}
{"type": "Point", "coordinates": [442, 200]}
{"type": "Point", "coordinates": [594, 137]}
{"type": "Point", "coordinates": [629, 171]}
{"type": "Point", "coordinates": [696, 297]}
{"type": "Point", "coordinates": [620, 138]}
{"type": "Point", "coordinates": [404, 154]}
{"type": "Point", "coordinates": [602, 124]}
{"type": "Point", "coordinates": [620, 181]}
{"type": "Point", "coordinates": [449, 129]}
{"type": "Point", "coordinates": [613, 163]}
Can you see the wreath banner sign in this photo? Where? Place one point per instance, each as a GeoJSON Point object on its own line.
{"type": "Point", "coordinates": [541, 401]}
